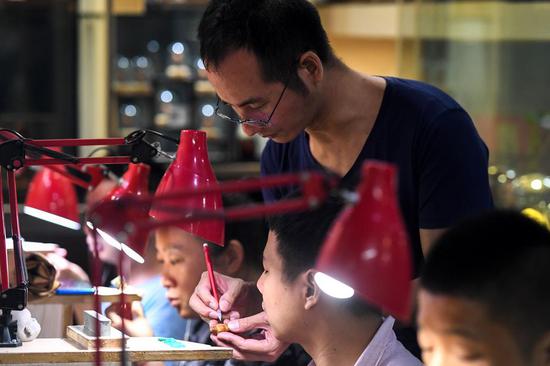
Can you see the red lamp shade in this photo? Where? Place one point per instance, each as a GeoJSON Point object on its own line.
{"type": "Point", "coordinates": [134, 182]}
{"type": "Point", "coordinates": [52, 197]}
{"type": "Point", "coordinates": [190, 170]}
{"type": "Point", "coordinates": [368, 249]}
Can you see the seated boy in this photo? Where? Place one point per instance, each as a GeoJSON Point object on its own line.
{"type": "Point", "coordinates": [332, 331]}
{"type": "Point", "coordinates": [485, 294]}
{"type": "Point", "coordinates": [182, 259]}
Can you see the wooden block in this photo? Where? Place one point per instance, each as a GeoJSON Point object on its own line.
{"type": "Point", "coordinates": [76, 333]}
{"type": "Point", "coordinates": [91, 318]}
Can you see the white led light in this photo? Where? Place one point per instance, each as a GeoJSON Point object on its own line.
{"type": "Point", "coordinates": [166, 96]}
{"type": "Point", "coordinates": [333, 287]}
{"type": "Point", "coordinates": [142, 62]}
{"type": "Point", "coordinates": [109, 239]}
{"type": "Point", "coordinates": [118, 245]}
{"type": "Point", "coordinates": [132, 254]}
{"type": "Point", "coordinates": [123, 63]}
{"type": "Point", "coordinates": [178, 48]}
{"type": "Point", "coordinates": [511, 174]}
{"type": "Point", "coordinates": [200, 64]}
{"type": "Point", "coordinates": [536, 184]}
{"type": "Point", "coordinates": [546, 182]}
{"type": "Point", "coordinates": [46, 216]}
{"type": "Point", "coordinates": [207, 110]}
{"type": "Point", "coordinates": [130, 110]}
{"type": "Point", "coordinates": [153, 46]}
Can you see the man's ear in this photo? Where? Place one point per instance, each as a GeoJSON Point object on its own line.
{"type": "Point", "coordinates": [541, 351]}
{"type": "Point", "coordinates": [312, 292]}
{"type": "Point", "coordinates": [231, 260]}
{"type": "Point", "coordinates": [310, 68]}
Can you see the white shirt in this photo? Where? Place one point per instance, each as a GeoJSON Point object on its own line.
{"type": "Point", "coordinates": [385, 350]}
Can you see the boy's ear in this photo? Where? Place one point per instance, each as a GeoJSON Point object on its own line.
{"type": "Point", "coordinates": [541, 351]}
{"type": "Point", "coordinates": [232, 258]}
{"type": "Point", "coordinates": [311, 290]}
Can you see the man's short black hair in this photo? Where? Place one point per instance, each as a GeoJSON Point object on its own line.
{"type": "Point", "coordinates": [252, 233]}
{"type": "Point", "coordinates": [278, 32]}
{"type": "Point", "coordinates": [300, 237]}
{"type": "Point", "coordinates": [501, 260]}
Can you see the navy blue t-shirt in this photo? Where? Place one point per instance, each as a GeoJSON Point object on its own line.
{"type": "Point", "coordinates": [442, 161]}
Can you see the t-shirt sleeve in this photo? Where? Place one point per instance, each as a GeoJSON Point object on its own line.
{"type": "Point", "coordinates": [453, 178]}
{"type": "Point", "coordinates": [269, 166]}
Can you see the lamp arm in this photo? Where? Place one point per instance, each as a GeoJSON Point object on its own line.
{"type": "Point", "coordinates": [20, 265]}
{"type": "Point", "coordinates": [4, 276]}
{"type": "Point", "coordinates": [315, 188]}
{"type": "Point", "coordinates": [16, 151]}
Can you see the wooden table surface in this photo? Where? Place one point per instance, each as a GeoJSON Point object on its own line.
{"type": "Point", "coordinates": [58, 350]}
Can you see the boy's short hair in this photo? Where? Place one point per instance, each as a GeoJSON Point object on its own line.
{"type": "Point", "coordinates": [276, 31]}
{"type": "Point", "coordinates": [300, 237]}
{"type": "Point", "coordinates": [501, 260]}
{"type": "Point", "coordinates": [251, 233]}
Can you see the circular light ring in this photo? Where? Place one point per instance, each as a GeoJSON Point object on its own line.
{"type": "Point", "coordinates": [333, 287]}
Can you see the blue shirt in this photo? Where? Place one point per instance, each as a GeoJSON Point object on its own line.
{"type": "Point", "coordinates": [441, 159]}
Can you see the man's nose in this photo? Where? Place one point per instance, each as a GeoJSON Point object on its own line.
{"type": "Point", "coordinates": [250, 130]}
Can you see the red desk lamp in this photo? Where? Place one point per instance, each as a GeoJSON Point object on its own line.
{"type": "Point", "coordinates": [191, 169]}
{"type": "Point", "coordinates": [366, 251]}
{"type": "Point", "coordinates": [17, 152]}
{"type": "Point", "coordinates": [52, 197]}
{"type": "Point", "coordinates": [134, 182]}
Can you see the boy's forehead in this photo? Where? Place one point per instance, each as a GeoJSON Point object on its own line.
{"type": "Point", "coordinates": [175, 238]}
{"type": "Point", "coordinates": [451, 314]}
{"type": "Point", "coordinates": [270, 250]}
{"type": "Point", "coordinates": [456, 321]}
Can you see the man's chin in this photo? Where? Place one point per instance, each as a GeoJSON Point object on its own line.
{"type": "Point", "coordinates": [283, 136]}
{"type": "Point", "coordinates": [279, 139]}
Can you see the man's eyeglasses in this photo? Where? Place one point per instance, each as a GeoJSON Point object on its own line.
{"type": "Point", "coordinates": [250, 122]}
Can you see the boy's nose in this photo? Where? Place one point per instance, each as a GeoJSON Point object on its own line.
{"type": "Point", "coordinates": [165, 281]}
{"type": "Point", "coordinates": [437, 359]}
{"type": "Point", "coordinates": [259, 284]}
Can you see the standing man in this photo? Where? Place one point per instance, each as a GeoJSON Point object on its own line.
{"type": "Point", "coordinates": [271, 64]}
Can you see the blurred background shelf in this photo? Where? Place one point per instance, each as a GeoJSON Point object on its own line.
{"type": "Point", "coordinates": [491, 56]}
{"type": "Point", "coordinates": [453, 20]}
{"type": "Point", "coordinates": [132, 88]}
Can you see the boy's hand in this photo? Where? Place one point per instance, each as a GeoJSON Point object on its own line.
{"type": "Point", "coordinates": [237, 298]}
{"type": "Point", "coordinates": [135, 323]}
{"type": "Point", "coordinates": [262, 346]}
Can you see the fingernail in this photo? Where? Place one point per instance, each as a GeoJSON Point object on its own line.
{"type": "Point", "coordinates": [213, 305]}
{"type": "Point", "coordinates": [213, 315]}
{"type": "Point", "coordinates": [233, 325]}
{"type": "Point", "coordinates": [225, 305]}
